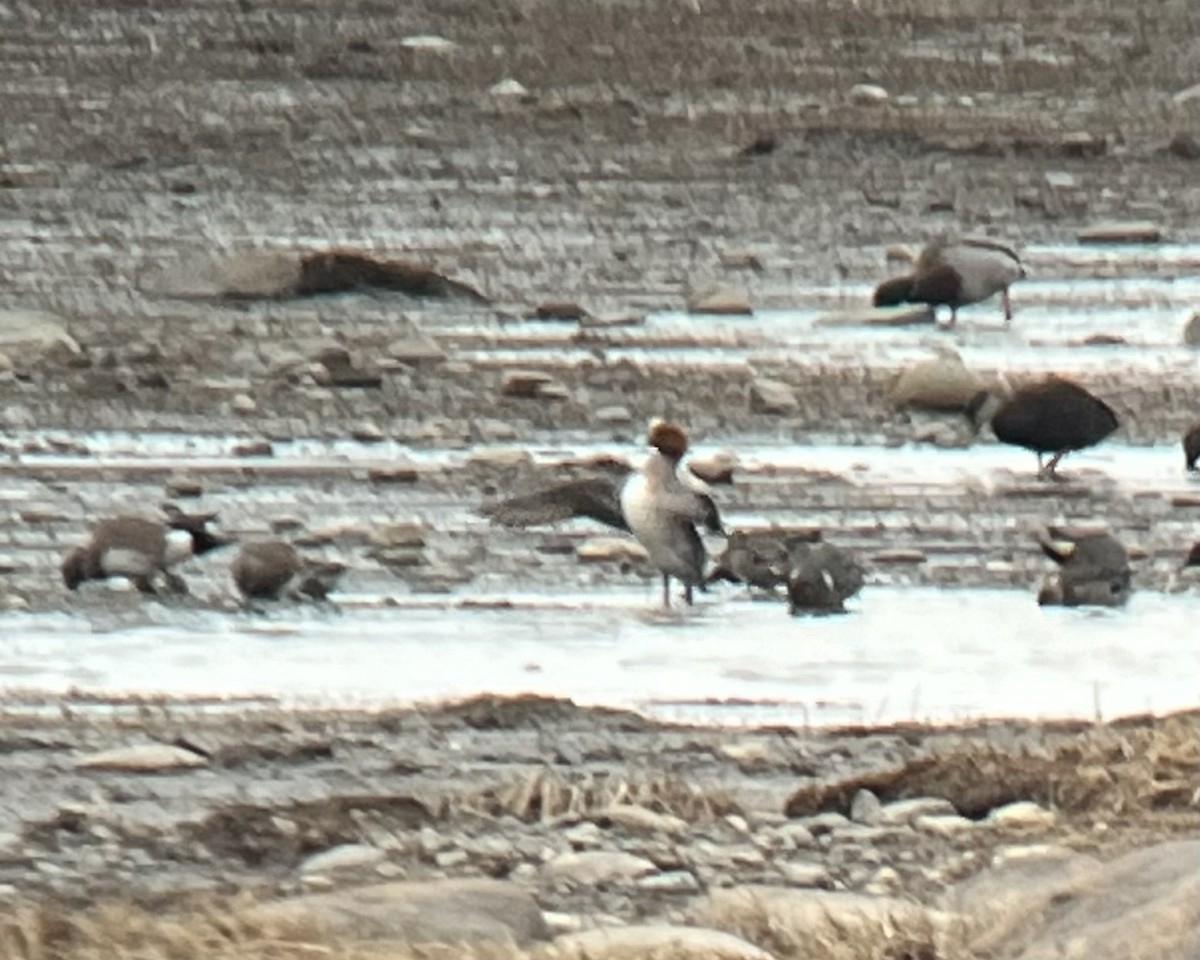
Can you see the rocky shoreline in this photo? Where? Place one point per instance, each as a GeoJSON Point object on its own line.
{"type": "Point", "coordinates": [595, 820]}
{"type": "Point", "coordinates": [175, 188]}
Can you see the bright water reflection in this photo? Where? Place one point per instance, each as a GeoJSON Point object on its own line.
{"type": "Point", "coordinates": [903, 653]}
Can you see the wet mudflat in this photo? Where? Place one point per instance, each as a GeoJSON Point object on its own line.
{"type": "Point", "coordinates": [152, 156]}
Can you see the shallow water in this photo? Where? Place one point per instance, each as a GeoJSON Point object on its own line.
{"type": "Point", "coordinates": [900, 654]}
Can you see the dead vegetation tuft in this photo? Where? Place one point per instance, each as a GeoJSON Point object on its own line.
{"type": "Point", "coordinates": [547, 794]}
{"type": "Point", "coordinates": [206, 929]}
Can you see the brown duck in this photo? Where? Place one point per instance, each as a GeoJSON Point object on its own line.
{"type": "Point", "coordinates": [955, 273]}
{"type": "Point", "coordinates": [141, 550]}
{"type": "Point", "coordinates": [271, 569]}
{"type": "Point", "coordinates": [1093, 569]}
{"type": "Point", "coordinates": [1054, 416]}
{"type": "Point", "coordinates": [1191, 445]}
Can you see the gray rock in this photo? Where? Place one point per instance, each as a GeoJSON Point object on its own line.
{"type": "Point", "coordinates": [865, 807]}
{"type": "Point", "coordinates": [1022, 815]}
{"type": "Point", "coordinates": [671, 881]}
{"type": "Point", "coordinates": [598, 866]}
{"type": "Point", "coordinates": [1191, 330]}
{"type": "Point", "coordinates": [820, 919]}
{"type": "Point", "coordinates": [720, 298]}
{"type": "Point", "coordinates": [772, 397]}
{"type": "Point", "coordinates": [1144, 904]}
{"type": "Point", "coordinates": [642, 820]}
{"type": "Point", "coordinates": [610, 550]}
{"type": "Point", "coordinates": [868, 94]}
{"type": "Point", "coordinates": [804, 873]}
{"type": "Point", "coordinates": [433, 911]}
{"type": "Point", "coordinates": [143, 758]}
{"type": "Point", "coordinates": [941, 383]}
{"type": "Point", "coordinates": [907, 811]}
{"type": "Point", "coordinates": [347, 856]}
{"type": "Point", "coordinates": [943, 826]}
{"type": "Point", "coordinates": [905, 316]}
{"type": "Point", "coordinates": [1139, 231]}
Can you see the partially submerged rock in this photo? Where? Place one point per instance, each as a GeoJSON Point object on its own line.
{"type": "Point", "coordinates": [285, 274]}
{"type": "Point", "coordinates": [942, 383]}
{"type": "Point", "coordinates": [913, 315]}
{"type": "Point", "coordinates": [720, 298]}
{"type": "Point", "coordinates": [1137, 231]}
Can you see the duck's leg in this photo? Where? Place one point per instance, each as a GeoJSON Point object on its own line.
{"type": "Point", "coordinates": [1041, 469]}
{"type": "Point", "coordinates": [666, 591]}
{"type": "Point", "coordinates": [1007, 300]}
{"type": "Point", "coordinates": [953, 316]}
{"type": "Point", "coordinates": [687, 594]}
{"type": "Point", "coordinates": [1050, 472]}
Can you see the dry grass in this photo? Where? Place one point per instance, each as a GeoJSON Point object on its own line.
{"type": "Point", "coordinates": [208, 930]}
{"type": "Point", "coordinates": [547, 794]}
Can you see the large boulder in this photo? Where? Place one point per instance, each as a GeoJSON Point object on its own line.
{"type": "Point", "coordinates": [1063, 904]}
{"type": "Point", "coordinates": [822, 922]}
{"type": "Point", "coordinates": [435, 911]}
{"type": "Point", "coordinates": [941, 383]}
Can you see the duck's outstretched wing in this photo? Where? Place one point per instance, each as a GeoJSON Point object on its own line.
{"type": "Point", "coordinates": [596, 498]}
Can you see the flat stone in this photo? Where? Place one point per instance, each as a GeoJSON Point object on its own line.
{"type": "Point", "coordinates": [1137, 231]}
{"type": "Point", "coordinates": [804, 873]}
{"type": "Point", "coordinates": [428, 41]}
{"type": "Point", "coordinates": [399, 533]}
{"type": "Point", "coordinates": [396, 473]}
{"type": "Point", "coordinates": [908, 315]}
{"type": "Point", "coordinates": [639, 942]}
{"type": "Point", "coordinates": [347, 856]}
{"type": "Point", "coordinates": [723, 299]}
{"type": "Point", "coordinates": [366, 432]}
{"type": "Point", "coordinates": [243, 404]}
{"type": "Point", "coordinates": [741, 260]}
{"type": "Point", "coordinates": [941, 825]}
{"type": "Point", "coordinates": [670, 881]}
{"type": "Point", "coordinates": [508, 87]}
{"type": "Point", "coordinates": [868, 94]}
{"type": "Point", "coordinates": [642, 820]}
{"type": "Point", "coordinates": [415, 350]}
{"type": "Point", "coordinates": [716, 468]}
{"type": "Point", "coordinates": [254, 448]}
{"type": "Point", "coordinates": [899, 556]}
{"type": "Point", "coordinates": [598, 866]}
{"type": "Point", "coordinates": [1024, 814]}
{"type": "Point", "coordinates": [559, 310]}
{"type": "Point", "coordinates": [500, 457]}
{"type": "Point", "coordinates": [143, 758]}
{"type": "Point", "coordinates": [611, 550]}
{"type": "Point", "coordinates": [907, 811]}
{"type": "Point", "coordinates": [531, 384]}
